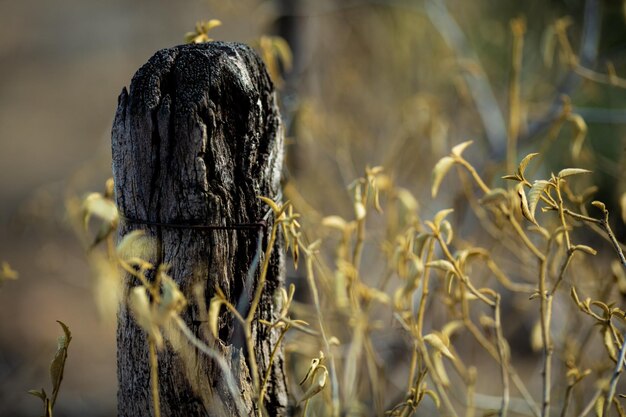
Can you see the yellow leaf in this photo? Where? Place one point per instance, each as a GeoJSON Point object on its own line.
{"type": "Point", "coordinates": [95, 204]}
{"type": "Point", "coordinates": [608, 343]}
{"type": "Point", "coordinates": [442, 214]}
{"type": "Point", "coordinates": [534, 195]}
{"type": "Point", "coordinates": [440, 369]}
{"type": "Point", "coordinates": [359, 210]}
{"type": "Point", "coordinates": [321, 375]}
{"type": "Point", "coordinates": [172, 299]}
{"type": "Point", "coordinates": [137, 244]}
{"type": "Point", "coordinates": [441, 169]}
{"type": "Point", "coordinates": [580, 127]}
{"type": "Point", "coordinates": [451, 327]}
{"type": "Point", "coordinates": [434, 397]}
{"type": "Point", "coordinates": [411, 204]}
{"type": "Point", "coordinates": [572, 171]}
{"type": "Point", "coordinates": [7, 273]}
{"type": "Point", "coordinates": [446, 230]}
{"type": "Point", "coordinates": [458, 149]}
{"type": "Point", "coordinates": [214, 315]}
{"type": "Point", "coordinates": [443, 265]}
{"type": "Point", "coordinates": [334, 222]}
{"type": "Point", "coordinates": [495, 196]}
{"type": "Point", "coordinates": [536, 337]}
{"type": "Point", "coordinates": [142, 311]}
{"type": "Point", "coordinates": [275, 207]}
{"type": "Point", "coordinates": [437, 341]}
{"type": "Point", "coordinates": [524, 204]}
{"type": "Point", "coordinates": [521, 169]}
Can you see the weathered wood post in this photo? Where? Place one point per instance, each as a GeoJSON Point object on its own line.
{"type": "Point", "coordinates": [195, 141]}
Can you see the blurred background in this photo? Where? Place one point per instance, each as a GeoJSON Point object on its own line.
{"type": "Point", "coordinates": [380, 82]}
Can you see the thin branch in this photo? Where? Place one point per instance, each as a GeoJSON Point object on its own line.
{"type": "Point", "coordinates": [614, 379]}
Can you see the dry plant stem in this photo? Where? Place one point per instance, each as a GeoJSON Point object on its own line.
{"type": "Point", "coordinates": [567, 399]}
{"type": "Point", "coordinates": [486, 223]}
{"type": "Point", "coordinates": [254, 368]}
{"type": "Point", "coordinates": [153, 289]}
{"type": "Point", "coordinates": [425, 290]}
{"type": "Point", "coordinates": [331, 359]}
{"type": "Point", "coordinates": [612, 238]}
{"type": "Point", "coordinates": [473, 173]}
{"type": "Point", "coordinates": [522, 235]}
{"type": "Point", "coordinates": [568, 243]}
{"type": "Point", "coordinates": [266, 377]}
{"type": "Point", "coordinates": [217, 357]}
{"type": "Point", "coordinates": [470, 409]}
{"type": "Point", "coordinates": [570, 255]}
{"type": "Point", "coordinates": [545, 308]}
{"type": "Point", "coordinates": [360, 235]}
{"type": "Point", "coordinates": [373, 367]}
{"type": "Point", "coordinates": [517, 29]}
{"type": "Point", "coordinates": [599, 77]}
{"type": "Point", "coordinates": [591, 403]}
{"type": "Point", "coordinates": [599, 227]}
{"type": "Point", "coordinates": [503, 359]}
{"type": "Point", "coordinates": [487, 345]}
{"type": "Point", "coordinates": [461, 275]}
{"type": "Point", "coordinates": [614, 379]}
{"type": "Point", "coordinates": [433, 376]}
{"type": "Point", "coordinates": [503, 208]}
{"type": "Point", "coordinates": [154, 377]}
{"type": "Point", "coordinates": [412, 367]}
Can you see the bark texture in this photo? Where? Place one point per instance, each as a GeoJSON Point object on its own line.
{"type": "Point", "coordinates": [196, 140]}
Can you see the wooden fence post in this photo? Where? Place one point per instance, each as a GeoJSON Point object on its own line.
{"type": "Point", "coordinates": [195, 141]}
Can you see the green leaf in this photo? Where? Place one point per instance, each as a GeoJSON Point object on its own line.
{"type": "Point", "coordinates": [534, 195]}
{"type": "Point", "coordinates": [441, 169]}
{"type": "Point", "coordinates": [458, 149]}
{"type": "Point", "coordinates": [572, 171]}
{"type": "Point", "coordinates": [58, 363]}
{"type": "Point", "coordinates": [39, 394]}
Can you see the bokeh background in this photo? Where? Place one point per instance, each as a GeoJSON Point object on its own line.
{"type": "Point", "coordinates": [379, 82]}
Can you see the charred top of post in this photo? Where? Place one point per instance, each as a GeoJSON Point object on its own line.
{"type": "Point", "coordinates": [204, 118]}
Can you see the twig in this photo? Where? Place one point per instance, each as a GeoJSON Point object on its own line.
{"type": "Point", "coordinates": [591, 403]}
{"type": "Point", "coordinates": [518, 27]}
{"type": "Point", "coordinates": [503, 359]}
{"type": "Point", "coordinates": [616, 374]}
{"type": "Point", "coordinates": [219, 359]}
{"type": "Point", "coordinates": [154, 377]}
